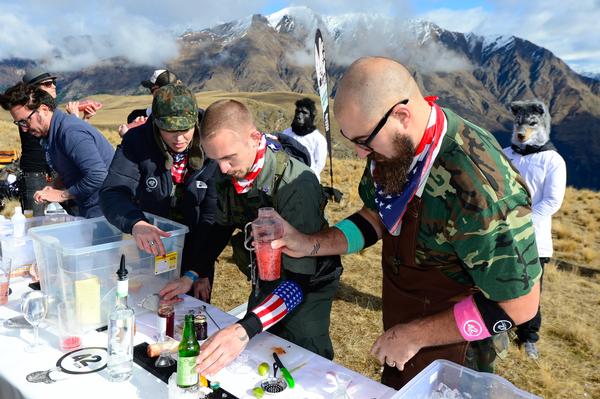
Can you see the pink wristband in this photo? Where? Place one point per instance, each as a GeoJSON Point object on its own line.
{"type": "Point", "coordinates": [469, 321]}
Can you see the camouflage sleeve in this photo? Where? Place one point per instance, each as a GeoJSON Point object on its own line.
{"type": "Point", "coordinates": [366, 189]}
{"type": "Point", "coordinates": [497, 247]}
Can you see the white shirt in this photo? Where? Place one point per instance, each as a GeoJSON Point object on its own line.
{"type": "Point", "coordinates": [546, 176]}
{"type": "Point", "coordinates": [316, 145]}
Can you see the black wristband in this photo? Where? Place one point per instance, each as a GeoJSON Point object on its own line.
{"type": "Point", "coordinates": [251, 323]}
{"type": "Point", "coordinates": [495, 318]}
{"type": "Point", "coordinates": [366, 228]}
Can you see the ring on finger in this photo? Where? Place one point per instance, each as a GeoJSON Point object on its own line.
{"type": "Point", "coordinates": [391, 364]}
{"type": "Point", "coordinates": [151, 243]}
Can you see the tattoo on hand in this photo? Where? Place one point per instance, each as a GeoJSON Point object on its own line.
{"type": "Point", "coordinates": [243, 337]}
{"type": "Point", "coordinates": [315, 249]}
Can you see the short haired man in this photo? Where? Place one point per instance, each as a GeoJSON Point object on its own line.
{"type": "Point", "coordinates": [254, 176]}
{"type": "Point", "coordinates": [74, 149]}
{"type": "Point", "coordinates": [460, 264]}
{"type": "Point", "coordinates": [303, 129]}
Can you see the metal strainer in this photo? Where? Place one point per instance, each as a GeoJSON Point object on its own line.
{"type": "Point", "coordinates": [273, 384]}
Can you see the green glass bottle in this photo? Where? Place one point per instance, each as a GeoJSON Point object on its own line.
{"type": "Point", "coordinates": [189, 349]}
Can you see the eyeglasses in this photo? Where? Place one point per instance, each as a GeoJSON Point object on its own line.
{"type": "Point", "coordinates": [48, 83]}
{"type": "Point", "coordinates": [27, 121]}
{"type": "Point", "coordinates": [365, 143]}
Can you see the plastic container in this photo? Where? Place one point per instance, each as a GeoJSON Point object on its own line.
{"type": "Point", "coordinates": [468, 382]}
{"type": "Point", "coordinates": [20, 249]}
{"type": "Point", "coordinates": [265, 229]}
{"type": "Point", "coordinates": [77, 262]}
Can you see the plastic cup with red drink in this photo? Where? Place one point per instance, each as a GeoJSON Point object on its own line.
{"type": "Point", "coordinates": [265, 229]}
{"type": "Point", "coordinates": [83, 104]}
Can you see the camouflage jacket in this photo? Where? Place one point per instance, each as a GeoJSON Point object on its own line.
{"type": "Point", "coordinates": [285, 184]}
{"type": "Point", "coordinates": [475, 222]}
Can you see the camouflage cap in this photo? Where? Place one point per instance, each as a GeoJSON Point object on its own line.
{"type": "Point", "coordinates": [174, 108]}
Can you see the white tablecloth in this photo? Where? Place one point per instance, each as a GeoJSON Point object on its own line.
{"type": "Point", "coordinates": [314, 375]}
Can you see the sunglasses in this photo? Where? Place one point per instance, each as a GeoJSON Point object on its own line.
{"type": "Point", "coordinates": [27, 121]}
{"type": "Point", "coordinates": [48, 83]}
{"type": "Point", "coordinates": [365, 143]}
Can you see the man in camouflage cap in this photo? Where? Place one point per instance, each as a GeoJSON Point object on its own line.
{"type": "Point", "coordinates": [460, 264]}
{"type": "Point", "coordinates": [159, 168]}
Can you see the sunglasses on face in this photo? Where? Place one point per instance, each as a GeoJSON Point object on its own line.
{"type": "Point", "coordinates": [365, 143]}
{"type": "Point", "coordinates": [48, 83]}
{"type": "Point", "coordinates": [27, 121]}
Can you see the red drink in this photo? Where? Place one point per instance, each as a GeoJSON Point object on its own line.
{"type": "Point", "coordinates": [269, 261]}
{"type": "Point", "coordinates": [70, 343]}
{"type": "Point", "coordinates": [166, 320]}
{"type": "Point", "coordinates": [4, 293]}
{"type": "Point", "coordinates": [83, 104]}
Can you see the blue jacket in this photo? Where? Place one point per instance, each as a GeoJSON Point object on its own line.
{"type": "Point", "coordinates": [80, 155]}
{"type": "Point", "coordinates": [138, 181]}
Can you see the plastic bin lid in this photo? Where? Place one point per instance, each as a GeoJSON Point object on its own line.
{"type": "Point", "coordinates": [427, 381]}
{"type": "Point", "coordinates": [46, 234]}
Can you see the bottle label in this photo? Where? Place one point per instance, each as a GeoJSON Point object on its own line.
{"type": "Point", "coordinates": [186, 371]}
{"type": "Point", "coordinates": [122, 288]}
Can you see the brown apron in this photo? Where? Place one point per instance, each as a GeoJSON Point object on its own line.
{"type": "Point", "coordinates": [412, 292]}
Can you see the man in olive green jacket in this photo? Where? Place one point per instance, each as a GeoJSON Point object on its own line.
{"type": "Point", "coordinates": [257, 173]}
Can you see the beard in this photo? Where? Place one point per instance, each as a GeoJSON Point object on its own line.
{"type": "Point", "coordinates": [390, 173]}
{"type": "Point", "coordinates": [302, 129]}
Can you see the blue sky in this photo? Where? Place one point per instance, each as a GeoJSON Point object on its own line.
{"type": "Point", "coordinates": [144, 31]}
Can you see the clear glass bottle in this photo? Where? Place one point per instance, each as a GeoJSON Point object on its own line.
{"type": "Point", "coordinates": [189, 349]}
{"type": "Point", "coordinates": [121, 322]}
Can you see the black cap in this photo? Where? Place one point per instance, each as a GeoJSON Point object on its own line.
{"type": "Point", "coordinates": [37, 75]}
{"type": "Point", "coordinates": [160, 78]}
{"type": "Point", "coordinates": [122, 272]}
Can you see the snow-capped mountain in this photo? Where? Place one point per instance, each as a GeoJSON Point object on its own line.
{"type": "Point", "coordinates": [477, 76]}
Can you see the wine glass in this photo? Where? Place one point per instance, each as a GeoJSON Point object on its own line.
{"type": "Point", "coordinates": [343, 381]}
{"type": "Point", "coordinates": [34, 306]}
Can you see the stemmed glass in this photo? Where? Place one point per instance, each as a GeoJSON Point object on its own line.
{"type": "Point", "coordinates": [34, 305]}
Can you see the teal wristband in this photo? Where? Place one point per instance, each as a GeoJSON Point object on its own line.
{"type": "Point", "coordinates": [192, 276]}
{"type": "Point", "coordinates": [353, 235]}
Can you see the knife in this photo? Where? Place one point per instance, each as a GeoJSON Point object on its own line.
{"type": "Point", "coordinates": [286, 374]}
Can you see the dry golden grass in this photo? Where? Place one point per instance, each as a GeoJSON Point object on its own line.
{"type": "Point", "coordinates": [569, 343]}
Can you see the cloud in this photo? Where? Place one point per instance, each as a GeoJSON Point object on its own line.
{"type": "Point", "coordinates": [568, 29]}
{"type": "Point", "coordinates": [69, 35]}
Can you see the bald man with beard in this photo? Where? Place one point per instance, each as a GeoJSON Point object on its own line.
{"type": "Point", "coordinates": [459, 257]}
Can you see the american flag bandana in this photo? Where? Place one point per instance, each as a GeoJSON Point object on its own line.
{"type": "Point", "coordinates": [244, 185]}
{"type": "Point", "coordinates": [179, 168]}
{"type": "Point", "coordinates": [392, 207]}
{"type": "Point", "coordinates": [285, 298]}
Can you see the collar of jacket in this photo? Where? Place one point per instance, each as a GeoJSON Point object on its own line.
{"type": "Point", "coordinates": [196, 157]}
{"type": "Point", "coordinates": [532, 149]}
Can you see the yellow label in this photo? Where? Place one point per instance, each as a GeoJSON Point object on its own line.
{"type": "Point", "coordinates": [87, 300]}
{"type": "Point", "coordinates": [166, 263]}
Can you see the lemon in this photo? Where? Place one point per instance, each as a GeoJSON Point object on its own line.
{"type": "Point", "coordinates": [263, 369]}
{"type": "Point", "coordinates": [258, 391]}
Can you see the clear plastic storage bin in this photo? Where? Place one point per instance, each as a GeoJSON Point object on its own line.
{"type": "Point", "coordinates": [443, 375]}
{"type": "Point", "coordinates": [20, 249]}
{"type": "Point", "coordinates": [77, 263]}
